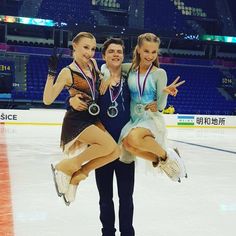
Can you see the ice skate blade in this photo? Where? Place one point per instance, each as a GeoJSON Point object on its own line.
{"type": "Point", "coordinates": [67, 203]}
{"type": "Point", "coordinates": [55, 181]}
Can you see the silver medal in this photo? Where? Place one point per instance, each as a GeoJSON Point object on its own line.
{"type": "Point", "coordinates": [139, 109]}
{"type": "Point", "coordinates": [94, 109]}
{"type": "Point", "coordinates": [112, 110]}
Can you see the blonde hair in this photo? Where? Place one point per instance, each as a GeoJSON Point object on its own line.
{"type": "Point", "coordinates": [80, 35]}
{"type": "Point", "coordinates": [77, 38]}
{"type": "Point", "coordinates": [149, 37]}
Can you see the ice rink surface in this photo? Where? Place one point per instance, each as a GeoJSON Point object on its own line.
{"type": "Point", "coordinates": [202, 205]}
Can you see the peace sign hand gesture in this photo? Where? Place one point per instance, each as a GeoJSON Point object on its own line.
{"type": "Point", "coordinates": [172, 88]}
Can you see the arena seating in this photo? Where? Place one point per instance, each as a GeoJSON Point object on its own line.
{"type": "Point", "coordinates": [10, 8]}
{"type": "Point", "coordinates": [178, 15]}
{"type": "Point", "coordinates": [36, 77]}
{"type": "Point", "coordinates": [69, 11]}
{"type": "Point", "coordinates": [207, 7]}
{"type": "Point", "coordinates": [199, 95]}
{"type": "Point", "coordinates": [232, 6]}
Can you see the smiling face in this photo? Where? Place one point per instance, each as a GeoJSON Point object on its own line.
{"type": "Point", "coordinates": [84, 49]}
{"type": "Point", "coordinates": [114, 55]}
{"type": "Point", "coordinates": [148, 52]}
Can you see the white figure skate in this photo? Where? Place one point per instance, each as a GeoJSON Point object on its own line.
{"type": "Point", "coordinates": [70, 194]}
{"type": "Point", "coordinates": [173, 166]}
{"type": "Point", "coordinates": [61, 181]}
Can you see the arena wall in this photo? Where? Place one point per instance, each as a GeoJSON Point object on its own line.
{"type": "Point", "coordinates": [55, 117]}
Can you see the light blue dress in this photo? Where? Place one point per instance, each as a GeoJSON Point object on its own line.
{"type": "Point", "coordinates": [153, 91]}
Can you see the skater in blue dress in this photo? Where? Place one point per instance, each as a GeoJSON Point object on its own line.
{"type": "Point", "coordinates": [145, 134]}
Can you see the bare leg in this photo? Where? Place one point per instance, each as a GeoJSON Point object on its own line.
{"type": "Point", "coordinates": [146, 155]}
{"type": "Point", "coordinates": [143, 141]}
{"type": "Point", "coordinates": [101, 144]}
{"type": "Point", "coordinates": [94, 164]}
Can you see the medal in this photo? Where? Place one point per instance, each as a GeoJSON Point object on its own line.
{"type": "Point", "coordinates": [112, 110]}
{"type": "Point", "coordinates": [139, 107]}
{"type": "Point", "coordinates": [93, 107]}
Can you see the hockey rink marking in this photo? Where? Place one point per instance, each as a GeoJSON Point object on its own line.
{"type": "Point", "coordinates": [203, 146]}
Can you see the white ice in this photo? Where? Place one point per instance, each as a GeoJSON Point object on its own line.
{"type": "Point", "coordinates": [202, 205]}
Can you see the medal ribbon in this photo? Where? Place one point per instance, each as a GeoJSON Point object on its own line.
{"type": "Point", "coordinates": [141, 88]}
{"type": "Point", "coordinates": [91, 84]}
{"type": "Point", "coordinates": [114, 97]}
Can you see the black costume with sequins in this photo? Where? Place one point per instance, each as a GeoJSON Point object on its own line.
{"type": "Point", "coordinates": [76, 121]}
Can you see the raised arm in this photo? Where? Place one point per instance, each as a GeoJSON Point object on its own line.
{"type": "Point", "coordinates": [161, 82]}
{"type": "Point", "coordinates": [51, 89]}
{"type": "Point", "coordinates": [163, 90]}
{"type": "Point", "coordinates": [125, 67]}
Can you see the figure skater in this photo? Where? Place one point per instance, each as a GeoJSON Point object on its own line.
{"type": "Point", "coordinates": [80, 127]}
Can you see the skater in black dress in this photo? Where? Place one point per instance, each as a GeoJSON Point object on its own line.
{"type": "Point", "coordinates": [81, 129]}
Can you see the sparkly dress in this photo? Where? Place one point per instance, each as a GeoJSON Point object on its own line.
{"type": "Point", "coordinates": [74, 121]}
{"type": "Point", "coordinates": [153, 91]}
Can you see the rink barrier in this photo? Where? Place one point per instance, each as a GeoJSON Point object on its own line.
{"type": "Point", "coordinates": [55, 117]}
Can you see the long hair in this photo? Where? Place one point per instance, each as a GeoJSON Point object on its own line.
{"type": "Point", "coordinates": [80, 35]}
{"type": "Point", "coordinates": [149, 37]}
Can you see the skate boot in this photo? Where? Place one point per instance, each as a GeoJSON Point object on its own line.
{"type": "Point", "coordinates": [70, 194]}
{"type": "Point", "coordinates": [61, 181]}
{"type": "Point", "coordinates": [173, 166]}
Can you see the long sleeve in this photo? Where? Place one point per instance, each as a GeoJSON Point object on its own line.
{"type": "Point", "coordinates": [161, 82]}
{"type": "Point", "coordinates": [125, 67]}
{"type": "Point", "coordinates": [105, 71]}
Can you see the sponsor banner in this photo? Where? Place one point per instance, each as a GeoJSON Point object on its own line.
{"type": "Point", "coordinates": [185, 120]}
{"type": "Point", "coordinates": [200, 121]}
{"type": "Point", "coordinates": [32, 116]}
{"type": "Point", "coordinates": [55, 117]}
